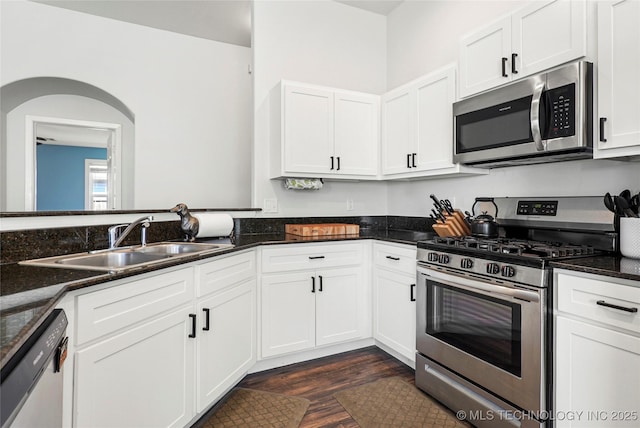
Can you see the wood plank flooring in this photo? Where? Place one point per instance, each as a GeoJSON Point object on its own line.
{"type": "Point", "coordinates": [317, 380]}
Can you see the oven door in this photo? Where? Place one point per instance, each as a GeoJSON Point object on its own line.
{"type": "Point", "coordinates": [490, 334]}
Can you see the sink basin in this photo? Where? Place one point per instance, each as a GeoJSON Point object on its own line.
{"type": "Point", "coordinates": [119, 259]}
{"type": "Point", "coordinates": [173, 248]}
{"type": "Point", "coordinates": [111, 260]}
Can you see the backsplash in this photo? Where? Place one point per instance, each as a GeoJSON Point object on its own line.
{"type": "Point", "coordinates": [36, 243]}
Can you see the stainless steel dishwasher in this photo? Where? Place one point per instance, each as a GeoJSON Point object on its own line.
{"type": "Point", "coordinates": [31, 381]}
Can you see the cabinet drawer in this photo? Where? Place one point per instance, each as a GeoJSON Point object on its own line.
{"type": "Point", "coordinates": [402, 259]}
{"type": "Point", "coordinates": [225, 272]}
{"type": "Point", "coordinates": [111, 309]}
{"type": "Point", "coordinates": [591, 298]}
{"type": "Point", "coordinates": [298, 256]}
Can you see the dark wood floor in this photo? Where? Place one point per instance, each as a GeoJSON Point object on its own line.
{"type": "Point", "coordinates": [318, 380]}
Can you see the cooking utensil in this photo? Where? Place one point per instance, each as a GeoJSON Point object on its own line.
{"type": "Point", "coordinates": [634, 203]}
{"type": "Point", "coordinates": [608, 202]}
{"type": "Point", "coordinates": [484, 225]}
{"type": "Point", "coordinates": [623, 206]}
{"type": "Point", "coordinates": [626, 193]}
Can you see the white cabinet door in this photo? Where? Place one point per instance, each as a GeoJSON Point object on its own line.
{"type": "Point", "coordinates": [398, 116]}
{"type": "Point", "coordinates": [356, 133]}
{"type": "Point", "coordinates": [418, 126]}
{"type": "Point", "coordinates": [395, 311]}
{"type": "Point", "coordinates": [435, 96]}
{"type": "Point", "coordinates": [484, 58]}
{"type": "Point", "coordinates": [539, 36]}
{"type": "Point", "coordinates": [226, 339]}
{"type": "Point", "coordinates": [618, 83]}
{"type": "Point", "coordinates": [308, 129]}
{"type": "Point", "coordinates": [547, 34]}
{"type": "Point", "coordinates": [338, 305]}
{"type": "Point", "coordinates": [142, 377]}
{"type": "Point", "coordinates": [598, 374]}
{"type": "Point", "coordinates": [288, 312]}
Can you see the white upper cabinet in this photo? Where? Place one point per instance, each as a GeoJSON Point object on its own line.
{"type": "Point", "coordinates": [324, 132]}
{"type": "Point", "coordinates": [618, 82]}
{"type": "Point", "coordinates": [539, 36]}
{"type": "Point", "coordinates": [417, 127]}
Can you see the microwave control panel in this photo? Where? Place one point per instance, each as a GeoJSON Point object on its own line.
{"type": "Point", "coordinates": [538, 208]}
{"type": "Point", "coordinates": [561, 104]}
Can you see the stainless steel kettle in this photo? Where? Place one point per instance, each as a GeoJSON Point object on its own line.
{"type": "Point", "coordinates": [484, 225]}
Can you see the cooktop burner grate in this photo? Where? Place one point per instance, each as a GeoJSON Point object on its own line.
{"type": "Point", "coordinates": [535, 249]}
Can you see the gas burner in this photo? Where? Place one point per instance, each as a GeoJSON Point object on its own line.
{"type": "Point", "coordinates": [517, 247]}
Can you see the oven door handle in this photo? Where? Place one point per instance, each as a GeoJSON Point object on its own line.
{"type": "Point", "coordinates": [534, 115]}
{"type": "Point", "coordinates": [486, 288]}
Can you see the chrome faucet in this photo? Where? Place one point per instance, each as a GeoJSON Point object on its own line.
{"type": "Point", "coordinates": [116, 235]}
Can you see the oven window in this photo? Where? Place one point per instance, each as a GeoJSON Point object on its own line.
{"type": "Point", "coordinates": [483, 326]}
{"type": "Point", "coordinates": [498, 126]}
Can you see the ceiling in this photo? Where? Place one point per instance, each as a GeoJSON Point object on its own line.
{"type": "Point", "coordinates": [227, 21]}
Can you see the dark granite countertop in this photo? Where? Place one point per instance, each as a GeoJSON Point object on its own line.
{"type": "Point", "coordinates": [29, 293]}
{"type": "Point", "coordinates": [611, 266]}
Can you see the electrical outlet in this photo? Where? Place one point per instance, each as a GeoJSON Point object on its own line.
{"type": "Point", "coordinates": [270, 206]}
{"type": "Point", "coordinates": [349, 204]}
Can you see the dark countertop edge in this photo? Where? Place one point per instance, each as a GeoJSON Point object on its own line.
{"type": "Point", "coordinates": [107, 212]}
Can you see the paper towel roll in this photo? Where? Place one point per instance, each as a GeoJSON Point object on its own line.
{"type": "Point", "coordinates": [213, 225]}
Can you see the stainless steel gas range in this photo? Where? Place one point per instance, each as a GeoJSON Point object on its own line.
{"type": "Point", "coordinates": [484, 321]}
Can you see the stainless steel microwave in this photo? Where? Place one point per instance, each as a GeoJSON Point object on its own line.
{"type": "Point", "coordinates": [543, 118]}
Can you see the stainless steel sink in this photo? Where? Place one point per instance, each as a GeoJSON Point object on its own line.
{"type": "Point", "coordinates": [119, 259]}
{"type": "Point", "coordinates": [174, 248]}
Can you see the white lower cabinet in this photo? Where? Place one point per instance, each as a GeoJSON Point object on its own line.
{"type": "Point", "coordinates": [305, 308]}
{"type": "Point", "coordinates": [142, 377]}
{"type": "Point", "coordinates": [302, 310]}
{"type": "Point", "coordinates": [141, 361]}
{"type": "Point", "coordinates": [597, 351]}
{"type": "Point", "coordinates": [226, 341]}
{"type": "Point", "coordinates": [394, 305]}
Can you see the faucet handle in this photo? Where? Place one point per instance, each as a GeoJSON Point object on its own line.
{"type": "Point", "coordinates": [114, 233]}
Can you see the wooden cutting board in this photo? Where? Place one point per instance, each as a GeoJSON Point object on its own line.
{"type": "Point", "coordinates": [322, 229]}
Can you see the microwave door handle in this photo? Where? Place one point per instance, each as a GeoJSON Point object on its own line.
{"type": "Point", "coordinates": [535, 117]}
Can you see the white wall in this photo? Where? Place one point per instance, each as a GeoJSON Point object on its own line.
{"type": "Point", "coordinates": [423, 36]}
{"type": "Point", "coordinates": [191, 97]}
{"type": "Point", "coordinates": [62, 107]}
{"type": "Point", "coordinates": [326, 43]}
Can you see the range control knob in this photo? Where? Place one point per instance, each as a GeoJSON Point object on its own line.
{"type": "Point", "coordinates": [508, 271]}
{"type": "Point", "coordinates": [432, 257]}
{"type": "Point", "coordinates": [493, 268]}
{"type": "Point", "coordinates": [444, 259]}
{"type": "Point", "coordinates": [466, 263]}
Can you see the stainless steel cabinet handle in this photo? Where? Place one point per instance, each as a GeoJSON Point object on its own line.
{"type": "Point", "coordinates": [534, 115]}
{"type": "Point", "coordinates": [620, 308]}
